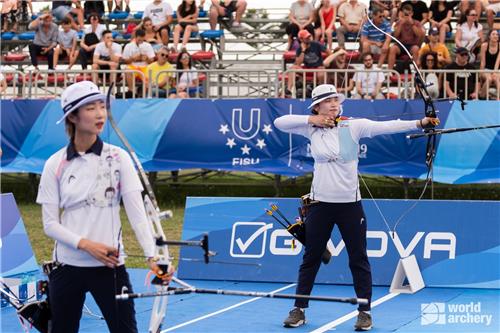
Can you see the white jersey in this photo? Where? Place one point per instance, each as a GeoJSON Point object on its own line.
{"type": "Point", "coordinates": [88, 189]}
{"type": "Point", "coordinates": [132, 50]}
{"type": "Point", "coordinates": [335, 152]}
{"type": "Point", "coordinates": [102, 50]}
{"type": "Point", "coordinates": [158, 12]}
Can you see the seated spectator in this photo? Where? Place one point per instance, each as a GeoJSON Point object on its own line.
{"type": "Point", "coordinates": [45, 41]}
{"type": "Point", "coordinates": [351, 15]}
{"type": "Point", "coordinates": [107, 56]}
{"type": "Point", "coordinates": [187, 76]}
{"type": "Point", "coordinates": [119, 6]}
{"type": "Point", "coordinates": [476, 5]}
{"type": "Point", "coordinates": [342, 80]}
{"type": "Point", "coordinates": [420, 11]}
{"type": "Point", "coordinates": [490, 62]}
{"type": "Point", "coordinates": [62, 9]}
{"type": "Point", "coordinates": [433, 45]}
{"type": "Point", "coordinates": [92, 36]}
{"type": "Point", "coordinates": [137, 55]}
{"type": "Point", "coordinates": [469, 33]}
{"type": "Point", "coordinates": [152, 36]}
{"type": "Point", "coordinates": [160, 74]}
{"type": "Point", "coordinates": [327, 14]}
{"type": "Point", "coordinates": [67, 44]}
{"type": "Point", "coordinates": [440, 18]}
{"type": "Point", "coordinates": [492, 9]}
{"type": "Point", "coordinates": [226, 8]}
{"type": "Point", "coordinates": [3, 84]}
{"type": "Point", "coordinates": [160, 13]}
{"type": "Point", "coordinates": [369, 82]}
{"type": "Point", "coordinates": [187, 18]}
{"type": "Point", "coordinates": [91, 7]}
{"type": "Point", "coordinates": [409, 32]}
{"type": "Point", "coordinates": [372, 40]}
{"type": "Point", "coordinates": [467, 85]}
{"type": "Point", "coordinates": [389, 7]}
{"type": "Point", "coordinates": [9, 15]}
{"type": "Point", "coordinates": [301, 18]}
{"type": "Point", "coordinates": [429, 61]}
{"type": "Point", "coordinates": [308, 56]}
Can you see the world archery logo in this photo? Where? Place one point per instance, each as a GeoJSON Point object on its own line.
{"type": "Point", "coordinates": [243, 137]}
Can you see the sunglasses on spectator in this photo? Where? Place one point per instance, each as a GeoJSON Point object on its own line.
{"type": "Point", "coordinates": [163, 54]}
{"type": "Point", "coordinates": [185, 56]}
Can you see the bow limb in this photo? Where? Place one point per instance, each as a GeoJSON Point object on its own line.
{"type": "Point", "coordinates": [154, 215]}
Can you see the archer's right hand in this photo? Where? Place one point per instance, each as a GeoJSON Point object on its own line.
{"type": "Point", "coordinates": [322, 121]}
{"type": "Point", "coordinates": [106, 254]}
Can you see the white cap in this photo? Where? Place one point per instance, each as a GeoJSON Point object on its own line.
{"type": "Point", "coordinates": [324, 91]}
{"type": "Point", "coordinates": [79, 94]}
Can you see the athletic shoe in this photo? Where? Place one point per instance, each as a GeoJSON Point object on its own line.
{"type": "Point", "coordinates": [364, 322]}
{"type": "Point", "coordinates": [296, 318]}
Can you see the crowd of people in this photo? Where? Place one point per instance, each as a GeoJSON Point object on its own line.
{"type": "Point", "coordinates": [318, 31]}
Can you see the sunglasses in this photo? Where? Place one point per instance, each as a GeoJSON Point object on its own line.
{"type": "Point", "coordinates": [163, 54]}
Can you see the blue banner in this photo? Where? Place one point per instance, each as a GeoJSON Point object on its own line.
{"type": "Point", "coordinates": [456, 243]}
{"type": "Point", "coordinates": [239, 135]}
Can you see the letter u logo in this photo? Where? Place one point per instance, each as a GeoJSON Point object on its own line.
{"type": "Point", "coordinates": [245, 132]}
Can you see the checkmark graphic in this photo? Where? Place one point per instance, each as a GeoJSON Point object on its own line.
{"type": "Point", "coordinates": [244, 245]}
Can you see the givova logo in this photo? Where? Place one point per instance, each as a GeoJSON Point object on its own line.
{"type": "Point", "coordinates": [455, 313]}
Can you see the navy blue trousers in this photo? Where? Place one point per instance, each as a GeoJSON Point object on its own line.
{"type": "Point", "coordinates": [351, 221]}
{"type": "Point", "coordinates": [68, 286]}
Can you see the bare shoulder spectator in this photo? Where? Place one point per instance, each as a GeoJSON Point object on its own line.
{"type": "Point", "coordinates": [92, 36]}
{"type": "Point", "coordinates": [137, 55]}
{"type": "Point", "coordinates": [160, 12]}
{"type": "Point", "coordinates": [459, 81]}
{"type": "Point", "coordinates": [301, 18]}
{"type": "Point", "coordinates": [187, 22]}
{"type": "Point", "coordinates": [374, 41]}
{"type": "Point", "coordinates": [187, 76]}
{"type": "Point", "coordinates": [341, 79]}
{"type": "Point", "coordinates": [410, 32]}
{"type": "Point", "coordinates": [440, 17]}
{"type": "Point", "coordinates": [107, 55]}
{"type": "Point", "coordinates": [420, 10]}
{"type": "Point", "coordinates": [368, 82]}
{"type": "Point", "coordinates": [62, 9]}
{"type": "Point", "coordinates": [160, 74]}
{"type": "Point", "coordinates": [469, 33]}
{"type": "Point", "coordinates": [492, 9]}
{"type": "Point", "coordinates": [490, 61]}
{"type": "Point", "coordinates": [9, 15]}
{"type": "Point", "coordinates": [66, 44]}
{"type": "Point", "coordinates": [226, 8]}
{"type": "Point", "coordinates": [152, 36]}
{"type": "Point", "coordinates": [351, 15]}
{"type": "Point", "coordinates": [46, 33]}
{"type": "Point", "coordinates": [434, 45]}
{"type": "Point", "coordinates": [327, 14]}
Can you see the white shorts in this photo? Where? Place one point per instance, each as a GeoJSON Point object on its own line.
{"type": "Point", "coordinates": [494, 7]}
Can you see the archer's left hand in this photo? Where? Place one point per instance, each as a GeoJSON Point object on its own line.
{"type": "Point", "coordinates": [428, 122]}
{"type": "Point", "coordinates": [165, 276]}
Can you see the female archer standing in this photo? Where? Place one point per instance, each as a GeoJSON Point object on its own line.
{"type": "Point", "coordinates": [87, 180]}
{"type": "Point", "coordinates": [335, 195]}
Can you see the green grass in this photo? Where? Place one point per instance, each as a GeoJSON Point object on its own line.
{"type": "Point", "coordinates": [172, 195]}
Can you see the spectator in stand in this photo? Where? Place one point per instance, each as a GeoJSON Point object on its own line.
{"type": "Point", "coordinates": [342, 80]}
{"type": "Point", "coordinates": [187, 18]}
{"type": "Point", "coordinates": [152, 36]}
{"type": "Point", "coordinates": [160, 74]}
{"type": "Point", "coordinates": [492, 9]}
{"type": "Point", "coordinates": [467, 85]}
{"type": "Point", "coordinates": [67, 44]}
{"type": "Point", "coordinates": [119, 6]}
{"type": "Point", "coordinates": [490, 62]}
{"type": "Point", "coordinates": [3, 87]}
{"type": "Point", "coordinates": [137, 54]}
{"type": "Point", "coordinates": [226, 8]}
{"type": "Point", "coordinates": [187, 76]}
{"type": "Point", "coordinates": [9, 15]}
{"type": "Point", "coordinates": [440, 18]}
{"type": "Point", "coordinates": [62, 9]}
{"type": "Point", "coordinates": [308, 56]}
{"type": "Point", "coordinates": [301, 18]}
{"type": "Point", "coordinates": [389, 7]}
{"type": "Point", "coordinates": [107, 56]}
{"type": "Point", "coordinates": [369, 82]}
{"type": "Point", "coordinates": [160, 13]}
{"type": "Point", "coordinates": [477, 5]}
{"type": "Point", "coordinates": [22, 8]}
{"type": "Point", "coordinates": [92, 36]}
{"type": "Point", "coordinates": [91, 7]}
{"type": "Point", "coordinates": [469, 33]}
{"type": "Point", "coordinates": [410, 32]}
{"type": "Point", "coordinates": [351, 15]}
{"type": "Point", "coordinates": [420, 10]}
{"type": "Point", "coordinates": [45, 41]}
{"type": "Point", "coordinates": [326, 14]}
{"type": "Point", "coordinates": [433, 45]}
{"type": "Point", "coordinates": [372, 40]}
{"type": "Point", "coordinates": [429, 62]}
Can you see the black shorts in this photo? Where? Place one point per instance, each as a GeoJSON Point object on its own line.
{"type": "Point", "coordinates": [10, 17]}
{"type": "Point", "coordinates": [166, 27]}
{"type": "Point", "coordinates": [184, 24]}
{"type": "Point", "coordinates": [230, 8]}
